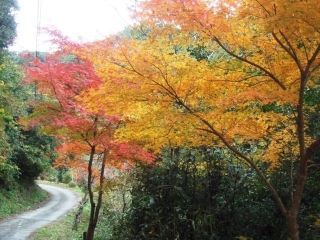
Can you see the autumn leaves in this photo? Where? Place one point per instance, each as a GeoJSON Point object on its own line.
{"type": "Point", "coordinates": [193, 73]}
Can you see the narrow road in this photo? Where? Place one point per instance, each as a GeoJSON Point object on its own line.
{"type": "Point", "coordinates": [21, 226]}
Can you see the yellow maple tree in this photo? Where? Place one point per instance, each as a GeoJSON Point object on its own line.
{"type": "Point", "coordinates": [258, 53]}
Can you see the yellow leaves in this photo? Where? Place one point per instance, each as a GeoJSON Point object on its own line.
{"type": "Point", "coordinates": [282, 144]}
{"type": "Point", "coordinates": [163, 93]}
{"type": "Point", "coordinates": [157, 127]}
{"type": "Point", "coordinates": [144, 80]}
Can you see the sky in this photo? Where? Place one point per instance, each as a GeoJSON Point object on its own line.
{"type": "Point", "coordinates": [80, 20]}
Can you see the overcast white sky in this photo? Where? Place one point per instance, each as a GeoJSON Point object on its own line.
{"type": "Point", "coordinates": [81, 20]}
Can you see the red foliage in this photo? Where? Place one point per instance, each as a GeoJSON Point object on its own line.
{"type": "Point", "coordinates": [61, 78]}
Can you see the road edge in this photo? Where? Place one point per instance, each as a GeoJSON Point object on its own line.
{"type": "Point", "coordinates": [77, 194]}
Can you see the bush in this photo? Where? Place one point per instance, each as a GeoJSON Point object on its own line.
{"type": "Point", "coordinates": [50, 175]}
{"type": "Point", "coordinates": [31, 151]}
{"type": "Point", "coordinates": [72, 184]}
{"type": "Point", "coordinates": [192, 195]}
{"type": "Point", "coordinates": [64, 175]}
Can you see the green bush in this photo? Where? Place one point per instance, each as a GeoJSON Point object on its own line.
{"type": "Point", "coordinates": [191, 194]}
{"type": "Point", "coordinates": [72, 184]}
{"type": "Point", "coordinates": [64, 175]}
{"type": "Point", "coordinates": [50, 175]}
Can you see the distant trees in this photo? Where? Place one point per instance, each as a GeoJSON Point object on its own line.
{"type": "Point", "coordinates": [7, 22]}
{"type": "Point", "coordinates": [24, 154]}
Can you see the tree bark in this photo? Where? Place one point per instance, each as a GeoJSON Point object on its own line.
{"type": "Point", "coordinates": [101, 183]}
{"type": "Point", "coordinates": [90, 231]}
{"type": "Point", "coordinates": [292, 224]}
{"type": "Point", "coordinates": [95, 207]}
{"type": "Point", "coordinates": [77, 216]}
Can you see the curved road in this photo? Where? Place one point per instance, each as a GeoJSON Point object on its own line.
{"type": "Point", "coordinates": [22, 226]}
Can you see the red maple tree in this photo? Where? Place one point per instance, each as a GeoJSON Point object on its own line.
{"type": "Point", "coordinates": [86, 137]}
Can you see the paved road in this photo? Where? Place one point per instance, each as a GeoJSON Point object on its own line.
{"type": "Point", "coordinates": [21, 226]}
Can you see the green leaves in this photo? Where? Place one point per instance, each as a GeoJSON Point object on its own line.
{"type": "Point", "coordinates": [24, 154]}
{"type": "Point", "coordinates": [30, 152]}
{"type": "Point", "coordinates": [312, 96]}
{"type": "Point", "coordinates": [13, 92]}
{"type": "Point", "coordinates": [8, 25]}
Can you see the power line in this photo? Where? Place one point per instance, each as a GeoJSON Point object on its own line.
{"type": "Point", "coordinates": [37, 40]}
{"type": "Point", "coordinates": [38, 25]}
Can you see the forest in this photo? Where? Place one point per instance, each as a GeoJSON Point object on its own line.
{"type": "Point", "coordinates": [200, 121]}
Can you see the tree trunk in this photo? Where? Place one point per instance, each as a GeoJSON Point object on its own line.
{"type": "Point", "coordinates": [100, 193]}
{"type": "Point", "coordinates": [95, 208]}
{"type": "Point", "coordinates": [77, 216]}
{"type": "Point", "coordinates": [90, 231]}
{"type": "Point", "coordinates": [292, 214]}
{"type": "Point", "coordinates": [293, 226]}
{"type": "Point", "coordinates": [91, 225]}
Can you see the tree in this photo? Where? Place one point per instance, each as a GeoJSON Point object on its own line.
{"type": "Point", "coordinates": [258, 57]}
{"type": "Point", "coordinates": [7, 23]}
{"type": "Point", "coordinates": [86, 135]}
{"type": "Point", "coordinates": [24, 153]}
{"type": "Point", "coordinates": [10, 93]}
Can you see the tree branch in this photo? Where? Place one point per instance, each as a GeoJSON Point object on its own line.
{"type": "Point", "coordinates": [268, 73]}
{"type": "Point", "coordinates": [289, 49]}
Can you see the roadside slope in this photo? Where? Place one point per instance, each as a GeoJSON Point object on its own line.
{"type": "Point", "coordinates": [19, 198]}
{"type": "Point", "coordinates": [21, 226]}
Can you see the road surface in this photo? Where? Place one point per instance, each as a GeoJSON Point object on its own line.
{"type": "Point", "coordinates": [22, 226]}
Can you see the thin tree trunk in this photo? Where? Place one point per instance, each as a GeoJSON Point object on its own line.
{"type": "Point", "coordinates": [101, 183]}
{"type": "Point", "coordinates": [95, 207]}
{"type": "Point", "coordinates": [301, 175]}
{"type": "Point", "coordinates": [90, 231]}
{"type": "Point", "coordinates": [77, 216]}
{"type": "Point", "coordinates": [124, 205]}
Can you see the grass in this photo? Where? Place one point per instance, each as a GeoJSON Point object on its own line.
{"type": "Point", "coordinates": [19, 198]}
{"type": "Point", "coordinates": [62, 229]}
{"type": "Point", "coordinates": [76, 189]}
